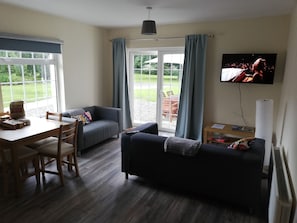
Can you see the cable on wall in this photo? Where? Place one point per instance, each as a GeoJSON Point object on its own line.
{"type": "Point", "coordinates": [240, 104]}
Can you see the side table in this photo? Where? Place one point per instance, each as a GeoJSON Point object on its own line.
{"type": "Point", "coordinates": [226, 133]}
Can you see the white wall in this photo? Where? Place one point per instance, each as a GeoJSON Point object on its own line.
{"type": "Point", "coordinates": [82, 50]}
{"type": "Point", "coordinates": [267, 34]}
{"type": "Point", "coordinates": [88, 61]}
{"type": "Point", "coordinates": [287, 119]}
{"type": "Point", "coordinates": [87, 57]}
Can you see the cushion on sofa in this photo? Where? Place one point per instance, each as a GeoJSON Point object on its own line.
{"type": "Point", "coordinates": [181, 146]}
{"type": "Point", "coordinates": [73, 112]}
{"type": "Point", "coordinates": [88, 116]}
{"type": "Point", "coordinates": [241, 144]}
{"type": "Point", "coordinates": [80, 114]}
{"type": "Point", "coordinates": [91, 110]}
{"type": "Point", "coordinates": [79, 118]}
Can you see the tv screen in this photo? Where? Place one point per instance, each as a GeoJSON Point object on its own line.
{"type": "Point", "coordinates": [248, 68]}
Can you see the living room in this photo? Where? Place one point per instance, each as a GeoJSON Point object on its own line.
{"type": "Point", "coordinates": [275, 34]}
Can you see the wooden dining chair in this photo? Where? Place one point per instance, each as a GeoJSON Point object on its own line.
{"type": "Point", "coordinates": [4, 114]}
{"type": "Point", "coordinates": [170, 93]}
{"type": "Point", "coordinates": [24, 158]}
{"type": "Point", "coordinates": [52, 116]}
{"type": "Point", "coordinates": [64, 151]}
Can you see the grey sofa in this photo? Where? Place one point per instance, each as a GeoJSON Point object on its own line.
{"type": "Point", "coordinates": [228, 175]}
{"type": "Point", "coordinates": [106, 123]}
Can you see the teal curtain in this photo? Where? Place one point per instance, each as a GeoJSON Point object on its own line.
{"type": "Point", "coordinates": [120, 81]}
{"type": "Point", "coordinates": [191, 107]}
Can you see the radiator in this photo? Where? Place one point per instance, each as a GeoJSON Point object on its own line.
{"type": "Point", "coordinates": [280, 201]}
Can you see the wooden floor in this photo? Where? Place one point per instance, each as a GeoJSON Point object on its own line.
{"type": "Point", "coordinates": [103, 195]}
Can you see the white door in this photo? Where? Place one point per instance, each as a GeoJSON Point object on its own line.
{"type": "Point", "coordinates": [154, 86]}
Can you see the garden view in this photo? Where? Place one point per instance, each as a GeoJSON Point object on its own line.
{"type": "Point", "coordinates": [25, 76]}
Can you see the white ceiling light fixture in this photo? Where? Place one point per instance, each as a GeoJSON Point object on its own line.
{"type": "Point", "coordinates": [149, 26]}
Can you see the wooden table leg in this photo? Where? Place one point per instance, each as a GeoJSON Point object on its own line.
{"type": "Point", "coordinates": [16, 174]}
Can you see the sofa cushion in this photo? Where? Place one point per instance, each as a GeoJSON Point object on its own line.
{"type": "Point", "coordinates": [241, 144]}
{"type": "Point", "coordinates": [80, 114]}
{"type": "Point", "coordinates": [73, 112]}
{"type": "Point", "coordinates": [99, 131]}
{"type": "Point", "coordinates": [80, 118]}
{"type": "Point", "coordinates": [181, 146]}
{"type": "Point", "coordinates": [91, 110]}
{"type": "Point", "coordinates": [87, 115]}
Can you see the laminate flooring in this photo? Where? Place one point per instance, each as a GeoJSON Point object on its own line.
{"type": "Point", "coordinates": [102, 195]}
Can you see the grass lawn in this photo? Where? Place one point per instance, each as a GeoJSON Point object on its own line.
{"type": "Point", "coordinates": [42, 91]}
{"type": "Point", "coordinates": [28, 91]}
{"type": "Point", "coordinates": [148, 89]}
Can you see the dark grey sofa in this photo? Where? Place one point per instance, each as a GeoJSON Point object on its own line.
{"type": "Point", "coordinates": [106, 123]}
{"type": "Point", "coordinates": [225, 174]}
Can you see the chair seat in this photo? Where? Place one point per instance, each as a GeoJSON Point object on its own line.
{"type": "Point", "coordinates": [51, 149]}
{"type": "Point", "coordinates": [23, 152]}
{"type": "Point", "coordinates": [42, 142]}
{"type": "Point", "coordinates": [23, 157]}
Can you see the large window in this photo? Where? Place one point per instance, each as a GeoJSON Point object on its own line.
{"type": "Point", "coordinates": [31, 77]}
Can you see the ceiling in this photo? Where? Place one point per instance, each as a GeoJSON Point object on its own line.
{"type": "Point", "coordinates": [127, 13]}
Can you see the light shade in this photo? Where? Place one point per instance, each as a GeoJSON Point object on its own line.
{"type": "Point", "coordinates": [148, 27]}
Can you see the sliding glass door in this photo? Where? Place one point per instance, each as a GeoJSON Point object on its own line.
{"type": "Point", "coordinates": [154, 86]}
{"type": "Point", "coordinates": [170, 84]}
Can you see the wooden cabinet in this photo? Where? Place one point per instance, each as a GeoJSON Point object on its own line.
{"type": "Point", "coordinates": [225, 133]}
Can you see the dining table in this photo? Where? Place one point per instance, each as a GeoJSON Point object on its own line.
{"type": "Point", "coordinates": [14, 139]}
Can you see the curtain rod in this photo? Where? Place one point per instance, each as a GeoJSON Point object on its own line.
{"type": "Point", "coordinates": [163, 38]}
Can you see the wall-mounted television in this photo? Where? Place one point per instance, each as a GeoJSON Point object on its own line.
{"type": "Point", "coordinates": [248, 68]}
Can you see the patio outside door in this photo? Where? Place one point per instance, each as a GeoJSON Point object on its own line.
{"type": "Point", "coordinates": [154, 87]}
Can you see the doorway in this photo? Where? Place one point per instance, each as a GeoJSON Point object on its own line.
{"type": "Point", "coordinates": [154, 86]}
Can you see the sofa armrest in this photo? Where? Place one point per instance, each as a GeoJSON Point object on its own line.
{"type": "Point", "coordinates": [73, 112]}
{"type": "Point", "coordinates": [150, 127]}
{"type": "Point", "coordinates": [233, 172]}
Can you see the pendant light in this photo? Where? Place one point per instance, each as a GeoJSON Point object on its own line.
{"type": "Point", "coordinates": [148, 26]}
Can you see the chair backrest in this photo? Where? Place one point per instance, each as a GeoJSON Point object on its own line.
{"type": "Point", "coordinates": [169, 93]}
{"type": "Point", "coordinates": [166, 105]}
{"type": "Point", "coordinates": [54, 116]}
{"type": "Point", "coordinates": [68, 134]}
{"type": "Point", "coordinates": [4, 113]}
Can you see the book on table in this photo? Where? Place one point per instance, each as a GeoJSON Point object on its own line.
{"type": "Point", "coordinates": [15, 123]}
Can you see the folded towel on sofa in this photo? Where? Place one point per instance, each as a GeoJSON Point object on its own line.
{"type": "Point", "coordinates": [182, 146]}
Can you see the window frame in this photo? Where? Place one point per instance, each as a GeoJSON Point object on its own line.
{"type": "Point", "coordinates": [55, 60]}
